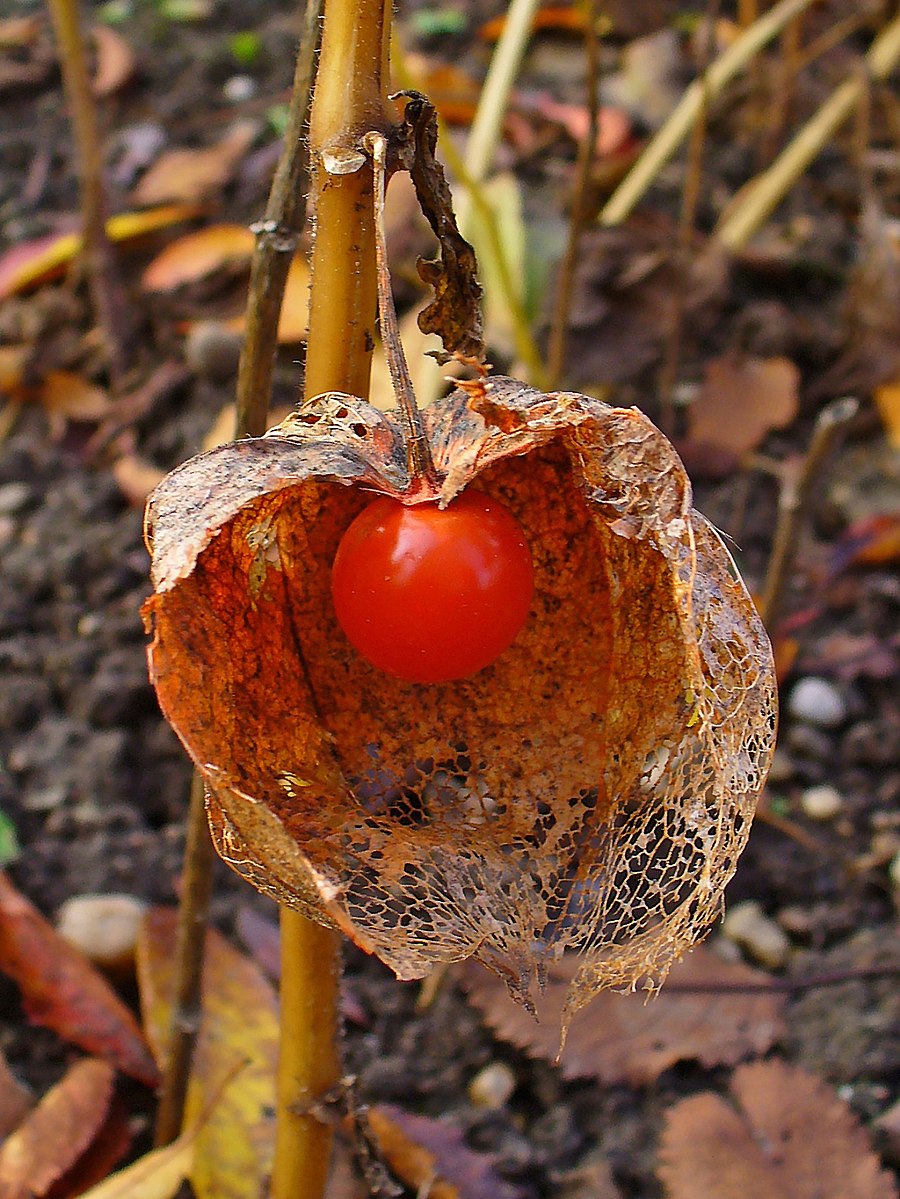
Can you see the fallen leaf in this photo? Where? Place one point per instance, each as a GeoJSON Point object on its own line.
{"type": "Point", "coordinates": [54, 1135]}
{"type": "Point", "coordinates": [31, 263]}
{"type": "Point", "coordinates": [431, 1157]}
{"type": "Point", "coordinates": [12, 368]}
{"type": "Point", "coordinates": [115, 63]}
{"type": "Point", "coordinates": [196, 255]}
{"type": "Point", "coordinates": [193, 175]}
{"type": "Point", "coordinates": [614, 129]}
{"type": "Point", "coordinates": [870, 541]}
{"type": "Point", "coordinates": [62, 991]}
{"type": "Point", "coordinates": [565, 18]}
{"type": "Point", "coordinates": [741, 400]}
{"type": "Point", "coordinates": [136, 477]}
{"type": "Point", "coordinates": [67, 397]}
{"type": "Point", "coordinates": [239, 1029]}
{"type": "Point", "coordinates": [15, 1100]}
{"type": "Point", "coordinates": [590, 1179]}
{"type": "Point", "coordinates": [19, 31]}
{"type": "Point", "coordinates": [157, 1175]}
{"type": "Point", "coordinates": [630, 1038]}
{"type": "Point", "coordinates": [887, 400]}
{"type": "Point", "coordinates": [105, 1152]}
{"type": "Point", "coordinates": [785, 1135]}
{"type": "Point", "coordinates": [294, 319]}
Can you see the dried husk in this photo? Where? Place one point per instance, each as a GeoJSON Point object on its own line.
{"type": "Point", "coordinates": [590, 791]}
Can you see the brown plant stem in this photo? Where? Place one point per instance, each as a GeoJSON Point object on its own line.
{"type": "Point", "coordinates": [277, 237]}
{"type": "Point", "coordinates": [793, 504]}
{"type": "Point", "coordinates": [556, 343]}
{"type": "Point", "coordinates": [348, 103]}
{"type": "Point", "coordinates": [276, 242]}
{"type": "Point", "coordinates": [97, 257]}
{"type": "Point", "coordinates": [190, 939]}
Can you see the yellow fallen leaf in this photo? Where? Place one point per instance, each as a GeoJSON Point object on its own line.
{"type": "Point", "coordinates": [33, 262]}
{"type": "Point", "coordinates": [887, 400]}
{"type": "Point", "coordinates": [197, 255]}
{"type": "Point", "coordinates": [294, 319]}
{"type": "Point", "coordinates": [239, 1028]}
{"type": "Point", "coordinates": [157, 1175]}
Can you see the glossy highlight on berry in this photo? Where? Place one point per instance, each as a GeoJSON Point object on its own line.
{"type": "Point", "coordinates": [429, 595]}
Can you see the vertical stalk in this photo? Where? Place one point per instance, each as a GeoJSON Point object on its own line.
{"type": "Point", "coordinates": [349, 102]}
{"type": "Point", "coordinates": [97, 258]}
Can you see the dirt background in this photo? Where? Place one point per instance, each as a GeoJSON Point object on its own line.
{"type": "Point", "coordinates": [96, 784]}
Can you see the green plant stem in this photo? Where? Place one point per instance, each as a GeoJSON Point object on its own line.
{"type": "Point", "coordinates": [348, 103]}
{"type": "Point", "coordinates": [277, 238]}
{"type": "Point", "coordinates": [97, 257]}
{"type": "Point", "coordinates": [765, 192]}
{"type": "Point", "coordinates": [701, 91]}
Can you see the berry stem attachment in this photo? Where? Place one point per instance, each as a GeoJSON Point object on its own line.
{"type": "Point", "coordinates": [418, 455]}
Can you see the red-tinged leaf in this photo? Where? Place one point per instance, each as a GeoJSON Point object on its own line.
{"type": "Point", "coordinates": [62, 991]}
{"type": "Point", "coordinates": [626, 1037]}
{"type": "Point", "coordinates": [785, 1135]}
{"type": "Point", "coordinates": [872, 541]}
{"type": "Point", "coordinates": [432, 1155]}
{"type": "Point", "coordinates": [57, 1132]}
{"type": "Point", "coordinates": [104, 1153]}
{"type": "Point", "coordinates": [34, 262]}
{"type": "Point", "coordinates": [197, 255]}
{"type": "Point", "coordinates": [115, 64]}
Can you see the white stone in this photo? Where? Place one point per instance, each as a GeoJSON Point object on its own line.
{"type": "Point", "coordinates": [817, 702]}
{"type": "Point", "coordinates": [103, 927]}
{"type": "Point", "coordinates": [492, 1086]}
{"type": "Point", "coordinates": [822, 803]}
{"type": "Point", "coordinates": [748, 926]}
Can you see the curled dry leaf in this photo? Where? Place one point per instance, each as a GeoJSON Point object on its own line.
{"type": "Point", "coordinates": [57, 1132]}
{"type": "Point", "coordinates": [785, 1135]}
{"type": "Point", "coordinates": [591, 790]}
{"type": "Point", "coordinates": [431, 1156]}
{"type": "Point", "coordinates": [626, 1038]}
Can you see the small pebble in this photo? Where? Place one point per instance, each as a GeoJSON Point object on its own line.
{"type": "Point", "coordinates": [817, 702]}
{"type": "Point", "coordinates": [822, 803]}
{"type": "Point", "coordinates": [239, 88]}
{"type": "Point", "coordinates": [748, 926]}
{"type": "Point", "coordinates": [213, 351]}
{"type": "Point", "coordinates": [13, 498]}
{"type": "Point", "coordinates": [104, 928]}
{"type": "Point", "coordinates": [492, 1086]}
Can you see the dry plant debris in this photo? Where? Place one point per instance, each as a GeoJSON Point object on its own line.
{"type": "Point", "coordinates": [589, 791]}
{"type": "Point", "coordinates": [741, 400]}
{"type": "Point", "coordinates": [628, 1038]}
{"type": "Point", "coordinates": [785, 1134]}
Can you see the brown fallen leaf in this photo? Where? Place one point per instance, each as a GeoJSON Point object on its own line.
{"type": "Point", "coordinates": [136, 477]}
{"type": "Point", "coordinates": [115, 63]}
{"type": "Point", "coordinates": [67, 397]}
{"type": "Point", "coordinates": [62, 991]}
{"type": "Point", "coordinates": [237, 1043]}
{"type": "Point", "coordinates": [431, 1156]}
{"type": "Point", "coordinates": [741, 400]}
{"type": "Point", "coordinates": [785, 1135]}
{"type": "Point", "coordinates": [12, 369]}
{"type": "Point", "coordinates": [193, 175]}
{"type": "Point", "coordinates": [54, 1135]}
{"type": "Point", "coordinates": [630, 1038]}
{"type": "Point", "coordinates": [157, 1175]}
{"type": "Point", "coordinates": [196, 255]}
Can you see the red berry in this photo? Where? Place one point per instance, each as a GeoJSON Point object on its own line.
{"type": "Point", "coordinates": [430, 595]}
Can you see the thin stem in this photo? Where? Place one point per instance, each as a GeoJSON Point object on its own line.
{"type": "Point", "coordinates": [766, 191]}
{"type": "Point", "coordinates": [418, 455]}
{"type": "Point", "coordinates": [277, 237]}
{"type": "Point", "coordinates": [793, 504]}
{"type": "Point", "coordinates": [193, 915]}
{"type": "Point", "coordinates": [690, 198]}
{"type": "Point", "coordinates": [701, 91]}
{"type": "Point", "coordinates": [556, 343]}
{"type": "Point", "coordinates": [309, 1067]}
{"type": "Point", "coordinates": [97, 256]}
